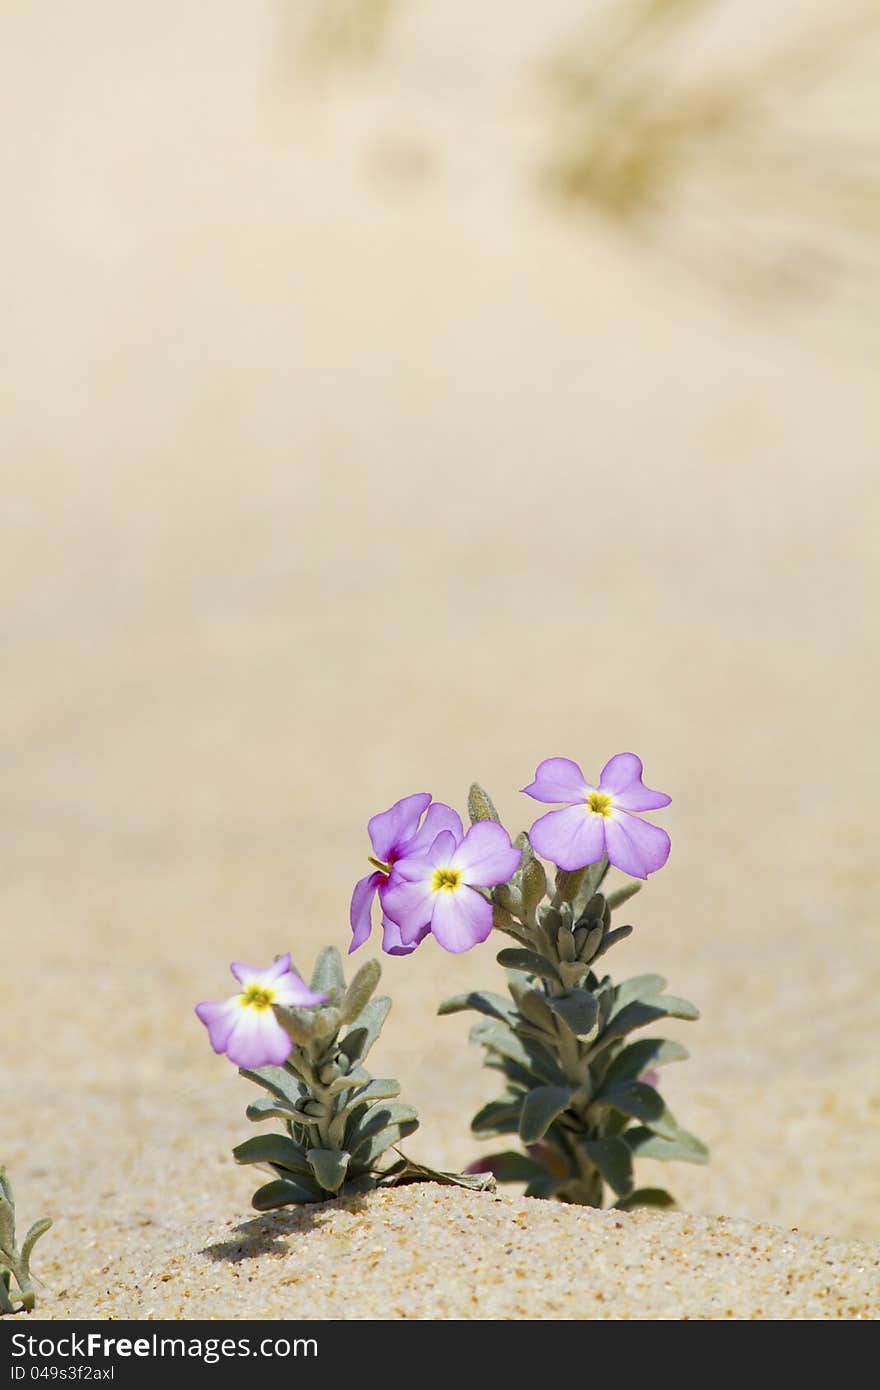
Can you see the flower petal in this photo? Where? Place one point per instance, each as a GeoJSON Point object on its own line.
{"type": "Point", "coordinates": [635, 846]}
{"type": "Point", "coordinates": [246, 974]}
{"type": "Point", "coordinates": [439, 817]}
{"type": "Point", "coordinates": [290, 989]}
{"type": "Point", "coordinates": [486, 856]}
{"type": "Point", "coordinates": [260, 975]}
{"type": "Point", "coordinates": [571, 838]}
{"type": "Point", "coordinates": [390, 830]}
{"type": "Point", "coordinates": [360, 914]}
{"type": "Point", "coordinates": [220, 1018]}
{"type": "Point", "coordinates": [258, 1040]}
{"type": "Point", "coordinates": [392, 941]}
{"type": "Point", "coordinates": [461, 919]}
{"type": "Point", "coordinates": [415, 867]}
{"type": "Point", "coordinates": [558, 779]}
{"type": "Point", "coordinates": [409, 903]}
{"type": "Point", "coordinates": [622, 777]}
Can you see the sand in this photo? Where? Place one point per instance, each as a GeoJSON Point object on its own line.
{"type": "Point", "coordinates": [338, 464]}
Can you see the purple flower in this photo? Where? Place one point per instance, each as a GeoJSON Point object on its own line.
{"type": "Point", "coordinates": [597, 820]}
{"type": "Point", "coordinates": [394, 834]}
{"type": "Point", "coordinates": [436, 891]}
{"type": "Point", "coordinates": [245, 1026]}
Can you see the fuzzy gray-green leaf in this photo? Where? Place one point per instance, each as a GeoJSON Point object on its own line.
{"type": "Point", "coordinates": [329, 1167]}
{"type": "Point", "coordinates": [614, 1160]}
{"type": "Point", "coordinates": [641, 1102]}
{"type": "Point", "coordinates": [643, 1143]}
{"type": "Point", "coordinates": [498, 1117]}
{"type": "Point", "coordinates": [365, 1029]}
{"type": "Point", "coordinates": [611, 938]}
{"type": "Point", "coordinates": [383, 1088]}
{"type": "Point", "coordinates": [623, 895]}
{"type": "Point", "coordinates": [276, 1149]}
{"type": "Point", "coordinates": [540, 1108]}
{"type": "Point", "coordinates": [277, 1080]}
{"type": "Point", "coordinates": [579, 1010]}
{"type": "Point", "coordinates": [286, 1192]}
{"type": "Point", "coordinates": [638, 987]}
{"type": "Point", "coordinates": [38, 1229]}
{"type": "Point", "coordinates": [482, 1002]}
{"type": "Point", "coordinates": [360, 991]}
{"type": "Point", "coordinates": [642, 1055]}
{"type": "Point", "coordinates": [641, 1012]}
{"type": "Point", "coordinates": [369, 1150]}
{"type": "Point", "coordinates": [327, 976]}
{"type": "Point", "coordinates": [480, 805]}
{"type": "Point", "coordinates": [529, 962]}
{"type": "Point", "coordinates": [533, 885]}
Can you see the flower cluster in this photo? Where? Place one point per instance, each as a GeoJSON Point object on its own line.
{"type": "Point", "coordinates": [428, 874]}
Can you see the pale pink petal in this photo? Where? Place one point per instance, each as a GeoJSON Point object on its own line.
{"type": "Point", "coordinates": [390, 830]}
{"type": "Point", "coordinates": [292, 990]}
{"type": "Point", "coordinates": [486, 856]}
{"type": "Point", "coordinates": [245, 974]}
{"type": "Point", "coordinates": [392, 941]}
{"type": "Point", "coordinates": [220, 1018]}
{"type": "Point", "coordinates": [360, 912]}
{"type": "Point", "coordinates": [622, 777]}
{"type": "Point", "coordinates": [571, 838]}
{"type": "Point", "coordinates": [634, 846]}
{"type": "Point", "coordinates": [258, 1040]}
{"type": "Point", "coordinates": [409, 903]}
{"type": "Point", "coordinates": [416, 867]}
{"type": "Point", "coordinates": [558, 779]}
{"type": "Point", "coordinates": [461, 919]}
{"type": "Point", "coordinates": [439, 817]}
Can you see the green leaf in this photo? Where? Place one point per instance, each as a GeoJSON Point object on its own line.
{"type": "Point", "coordinates": [686, 1147]}
{"type": "Point", "coordinates": [612, 938]}
{"type": "Point", "coordinates": [641, 1102]}
{"type": "Point", "coordinates": [327, 976]}
{"type": "Point", "coordinates": [384, 1088]}
{"type": "Point", "coordinates": [360, 991]}
{"type": "Point", "coordinates": [623, 895]}
{"type": "Point", "coordinates": [646, 1197]}
{"type": "Point", "coordinates": [638, 987]}
{"type": "Point", "coordinates": [642, 1055]}
{"type": "Point", "coordinates": [365, 1029]}
{"type": "Point", "coordinates": [533, 885]}
{"type": "Point", "coordinates": [38, 1229]}
{"type": "Point", "coordinates": [284, 1192]}
{"type": "Point", "coordinates": [527, 1054]}
{"type": "Point", "coordinates": [329, 1166]}
{"type": "Point", "coordinates": [270, 1108]}
{"type": "Point", "coordinates": [613, 1159]}
{"type": "Point", "coordinates": [540, 1108]}
{"type": "Point", "coordinates": [300, 1025]}
{"type": "Point", "coordinates": [579, 1010]}
{"type": "Point", "coordinates": [358, 1076]}
{"type": "Point", "coordinates": [568, 883]}
{"type": "Point", "coordinates": [641, 1012]}
{"type": "Point", "coordinates": [480, 806]}
{"type": "Point", "coordinates": [529, 962]}
{"type": "Point", "coordinates": [482, 1002]}
{"type": "Point", "coordinates": [378, 1117]}
{"type": "Point", "coordinates": [276, 1149]}
{"type": "Point", "coordinates": [498, 1116]}
{"type": "Point", "coordinates": [371, 1149]}
{"type": "Point", "coordinates": [277, 1080]}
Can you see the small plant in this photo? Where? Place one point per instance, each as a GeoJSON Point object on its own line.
{"type": "Point", "coordinates": [305, 1046]}
{"type": "Point", "coordinates": [580, 1095]}
{"type": "Point", "coordinates": [14, 1263]}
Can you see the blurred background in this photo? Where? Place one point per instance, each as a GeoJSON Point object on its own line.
{"type": "Point", "coordinates": [397, 393]}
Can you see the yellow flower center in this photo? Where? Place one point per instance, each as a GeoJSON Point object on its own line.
{"type": "Point", "coordinates": [446, 880]}
{"type": "Point", "coordinates": [257, 997]}
{"type": "Point", "coordinates": [599, 803]}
